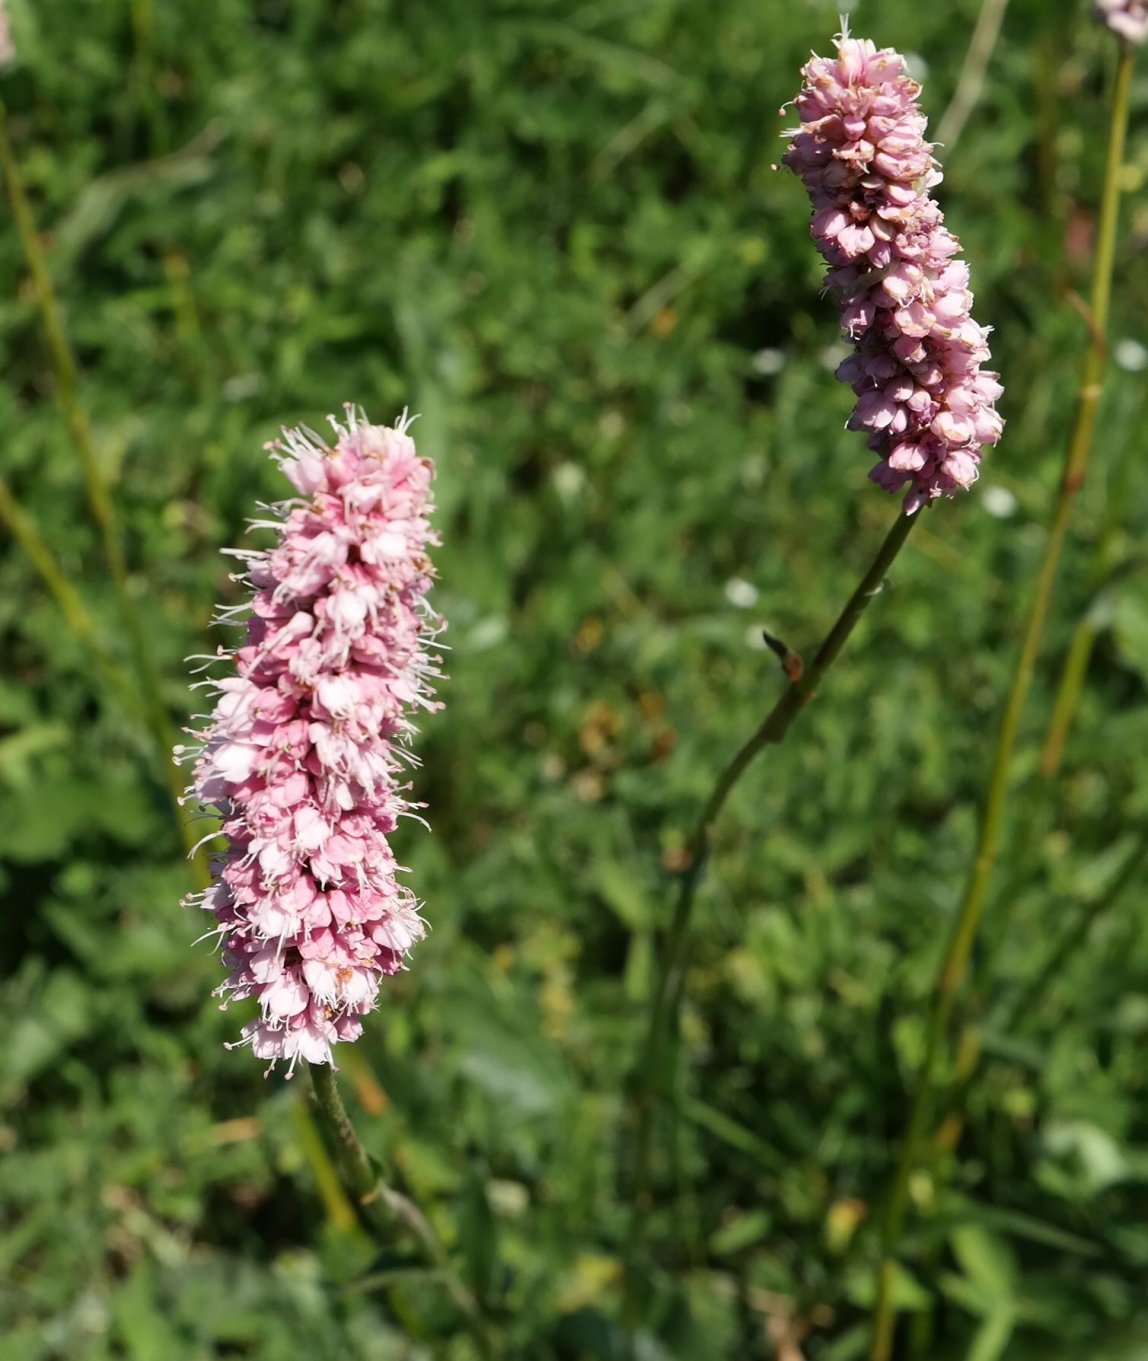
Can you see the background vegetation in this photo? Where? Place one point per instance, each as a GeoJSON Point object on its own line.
{"type": "Point", "coordinates": [553, 229]}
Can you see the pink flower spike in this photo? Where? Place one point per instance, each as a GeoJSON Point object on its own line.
{"type": "Point", "coordinates": [1128, 19]}
{"type": "Point", "coordinates": [904, 301]}
{"type": "Point", "coordinates": [304, 754]}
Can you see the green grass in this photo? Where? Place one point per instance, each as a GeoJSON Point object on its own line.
{"type": "Point", "coordinates": [553, 230]}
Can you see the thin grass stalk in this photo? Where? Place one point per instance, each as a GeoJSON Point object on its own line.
{"type": "Point", "coordinates": [143, 69]}
{"type": "Point", "coordinates": [954, 963]}
{"type": "Point", "coordinates": [1098, 615]}
{"type": "Point", "coordinates": [383, 1211]}
{"type": "Point", "coordinates": [1029, 998]}
{"type": "Point", "coordinates": [71, 605]}
{"type": "Point", "coordinates": [1026, 1002]}
{"type": "Point", "coordinates": [99, 501]}
{"type": "Point", "coordinates": [971, 81]}
{"type": "Point", "coordinates": [921, 1322]}
{"type": "Point", "coordinates": [666, 997]}
{"type": "Point", "coordinates": [1068, 693]}
{"type": "Point", "coordinates": [26, 533]}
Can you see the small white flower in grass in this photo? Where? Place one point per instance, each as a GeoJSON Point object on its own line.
{"type": "Point", "coordinates": [1130, 355]}
{"type": "Point", "coordinates": [999, 502]}
{"type": "Point", "coordinates": [741, 593]}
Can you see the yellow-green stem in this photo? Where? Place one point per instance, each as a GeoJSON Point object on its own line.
{"type": "Point", "coordinates": [1105, 569]}
{"type": "Point", "coordinates": [383, 1211]}
{"type": "Point", "coordinates": [100, 503]}
{"type": "Point", "coordinates": [971, 81]}
{"type": "Point", "coordinates": [143, 68]}
{"type": "Point", "coordinates": [666, 997]}
{"type": "Point", "coordinates": [1030, 997]}
{"type": "Point", "coordinates": [1026, 1003]}
{"type": "Point", "coordinates": [1068, 695]}
{"type": "Point", "coordinates": [25, 532]}
{"type": "Point", "coordinates": [954, 963]}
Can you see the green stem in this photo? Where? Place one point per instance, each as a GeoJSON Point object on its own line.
{"type": "Point", "coordinates": [955, 961]}
{"type": "Point", "coordinates": [143, 69]}
{"type": "Point", "coordinates": [381, 1209]}
{"type": "Point", "coordinates": [971, 81]}
{"type": "Point", "coordinates": [25, 532]}
{"type": "Point", "coordinates": [1068, 695]}
{"type": "Point", "coordinates": [1105, 570]}
{"type": "Point", "coordinates": [1030, 997]}
{"type": "Point", "coordinates": [1027, 1000]}
{"type": "Point", "coordinates": [102, 508]}
{"type": "Point", "coordinates": [340, 1212]}
{"type": "Point", "coordinates": [773, 728]}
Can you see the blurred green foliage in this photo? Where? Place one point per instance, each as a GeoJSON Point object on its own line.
{"type": "Point", "coordinates": [552, 228]}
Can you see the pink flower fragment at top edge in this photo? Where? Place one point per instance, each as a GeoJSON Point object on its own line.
{"type": "Point", "coordinates": [7, 47]}
{"type": "Point", "coordinates": [1128, 19]}
{"type": "Point", "coordinates": [305, 753]}
{"type": "Point", "coordinates": [904, 298]}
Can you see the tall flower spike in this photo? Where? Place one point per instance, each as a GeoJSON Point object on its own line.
{"type": "Point", "coordinates": [1128, 19]}
{"type": "Point", "coordinates": [904, 298]}
{"type": "Point", "coordinates": [305, 752]}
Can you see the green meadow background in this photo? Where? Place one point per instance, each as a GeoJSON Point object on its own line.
{"type": "Point", "coordinates": [552, 229]}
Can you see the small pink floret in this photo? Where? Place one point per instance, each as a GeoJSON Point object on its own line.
{"type": "Point", "coordinates": [905, 302]}
{"type": "Point", "coordinates": [305, 752]}
{"type": "Point", "coordinates": [1128, 19]}
{"type": "Point", "coordinates": [7, 47]}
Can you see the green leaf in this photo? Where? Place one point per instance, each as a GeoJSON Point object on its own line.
{"type": "Point", "coordinates": [993, 1336]}
{"type": "Point", "coordinates": [1130, 626]}
{"type": "Point", "coordinates": [513, 1068]}
{"type": "Point", "coordinates": [478, 1235]}
{"type": "Point", "coordinates": [986, 1259]}
{"type": "Point", "coordinates": [623, 893]}
{"type": "Point", "coordinates": [1035, 1230]}
{"type": "Point", "coordinates": [908, 1294]}
{"type": "Point", "coordinates": [740, 1231]}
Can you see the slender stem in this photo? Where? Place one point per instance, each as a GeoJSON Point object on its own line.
{"type": "Point", "coordinates": [773, 728]}
{"type": "Point", "coordinates": [921, 1322]}
{"type": "Point", "coordinates": [381, 1209]}
{"type": "Point", "coordinates": [339, 1210]}
{"type": "Point", "coordinates": [102, 508]}
{"type": "Point", "coordinates": [26, 533]}
{"type": "Point", "coordinates": [143, 68]}
{"type": "Point", "coordinates": [955, 960]}
{"type": "Point", "coordinates": [1106, 567]}
{"type": "Point", "coordinates": [1030, 996]}
{"type": "Point", "coordinates": [1068, 695]}
{"type": "Point", "coordinates": [1028, 1000]}
{"type": "Point", "coordinates": [971, 81]}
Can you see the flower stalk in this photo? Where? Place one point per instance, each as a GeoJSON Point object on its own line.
{"type": "Point", "coordinates": [923, 399]}
{"type": "Point", "coordinates": [381, 1209]}
{"type": "Point", "coordinates": [954, 963]}
{"type": "Point", "coordinates": [666, 998]}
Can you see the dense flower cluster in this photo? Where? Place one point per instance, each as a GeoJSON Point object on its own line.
{"type": "Point", "coordinates": [1127, 18]}
{"type": "Point", "coordinates": [904, 298]}
{"type": "Point", "coordinates": [304, 753]}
